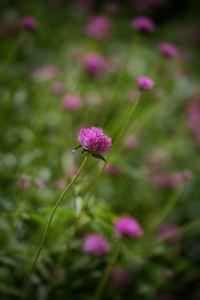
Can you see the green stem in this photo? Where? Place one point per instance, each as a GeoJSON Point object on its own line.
{"type": "Point", "coordinates": [53, 212]}
{"type": "Point", "coordinates": [104, 278]}
{"type": "Point", "coordinates": [126, 122]}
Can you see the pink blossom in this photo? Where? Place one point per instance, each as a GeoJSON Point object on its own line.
{"type": "Point", "coordinates": [112, 170]}
{"type": "Point", "coordinates": [158, 179]}
{"type": "Point", "coordinates": [168, 49]}
{"type": "Point", "coordinates": [94, 64]}
{"type": "Point", "coordinates": [170, 231]}
{"type": "Point", "coordinates": [177, 179]}
{"type": "Point", "coordinates": [57, 88]}
{"type": "Point", "coordinates": [24, 182]}
{"type": "Point", "coordinates": [39, 183]}
{"type": "Point", "coordinates": [29, 23]}
{"type": "Point", "coordinates": [131, 142]}
{"type": "Point", "coordinates": [72, 102]}
{"type": "Point", "coordinates": [94, 140]}
{"type": "Point", "coordinates": [128, 226]}
{"type": "Point", "coordinates": [96, 245]}
{"type": "Point", "coordinates": [143, 24]}
{"type": "Point", "coordinates": [119, 276]}
{"type": "Point", "coordinates": [99, 27]}
{"type": "Point", "coordinates": [145, 83]}
{"type": "Point", "coordinates": [193, 119]}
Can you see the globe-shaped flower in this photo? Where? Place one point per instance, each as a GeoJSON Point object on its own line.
{"type": "Point", "coordinates": [94, 64]}
{"type": "Point", "coordinates": [72, 102]}
{"type": "Point", "coordinates": [99, 27]}
{"type": "Point", "coordinates": [168, 49]}
{"type": "Point", "coordinates": [143, 24]}
{"type": "Point", "coordinates": [145, 83]}
{"type": "Point", "coordinates": [128, 226]}
{"type": "Point", "coordinates": [96, 245]}
{"type": "Point", "coordinates": [94, 140]}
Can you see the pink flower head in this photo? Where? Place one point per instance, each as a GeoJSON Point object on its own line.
{"type": "Point", "coordinates": [159, 179]}
{"type": "Point", "coordinates": [178, 179]}
{"type": "Point", "coordinates": [24, 182]}
{"type": "Point", "coordinates": [193, 119]}
{"type": "Point", "coordinates": [29, 23]}
{"type": "Point", "coordinates": [46, 72]}
{"type": "Point", "coordinates": [143, 24]}
{"type": "Point", "coordinates": [72, 102]}
{"type": "Point", "coordinates": [57, 88]}
{"type": "Point", "coordinates": [168, 49]}
{"type": "Point", "coordinates": [145, 83]}
{"type": "Point", "coordinates": [131, 142]}
{"type": "Point", "coordinates": [96, 245]}
{"type": "Point", "coordinates": [170, 231]}
{"type": "Point", "coordinates": [128, 226]}
{"type": "Point", "coordinates": [94, 140]}
{"type": "Point", "coordinates": [99, 27]}
{"type": "Point", "coordinates": [119, 276]}
{"type": "Point", "coordinates": [94, 64]}
{"type": "Point", "coordinates": [112, 170]}
{"type": "Point", "coordinates": [39, 183]}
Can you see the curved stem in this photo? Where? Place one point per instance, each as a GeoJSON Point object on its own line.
{"type": "Point", "coordinates": [104, 278]}
{"type": "Point", "coordinates": [53, 212]}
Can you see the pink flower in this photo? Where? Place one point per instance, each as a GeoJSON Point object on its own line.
{"type": "Point", "coordinates": [29, 23]}
{"type": "Point", "coordinates": [24, 182]}
{"type": "Point", "coordinates": [128, 226]}
{"type": "Point", "coordinates": [46, 72]}
{"type": "Point", "coordinates": [96, 245]}
{"type": "Point", "coordinates": [72, 102]}
{"type": "Point", "coordinates": [168, 49]}
{"type": "Point", "coordinates": [39, 183]}
{"type": "Point", "coordinates": [119, 276]}
{"type": "Point", "coordinates": [57, 88]}
{"type": "Point", "coordinates": [131, 142]}
{"type": "Point", "coordinates": [94, 64]}
{"type": "Point", "coordinates": [145, 83]}
{"type": "Point", "coordinates": [193, 119]}
{"type": "Point", "coordinates": [159, 179]}
{"type": "Point", "coordinates": [170, 231]}
{"type": "Point", "coordinates": [99, 27]}
{"type": "Point", "coordinates": [112, 170]}
{"type": "Point", "coordinates": [94, 140]}
{"type": "Point", "coordinates": [177, 179]}
{"type": "Point", "coordinates": [143, 24]}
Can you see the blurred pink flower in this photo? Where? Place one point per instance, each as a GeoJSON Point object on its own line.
{"type": "Point", "coordinates": [128, 226]}
{"type": "Point", "coordinates": [46, 72]}
{"type": "Point", "coordinates": [24, 182]}
{"type": "Point", "coordinates": [60, 183]}
{"type": "Point", "coordinates": [112, 170]}
{"type": "Point", "coordinates": [193, 119]}
{"type": "Point", "coordinates": [99, 27]}
{"type": "Point", "coordinates": [39, 183]}
{"type": "Point", "coordinates": [119, 276]}
{"type": "Point", "coordinates": [72, 102]}
{"type": "Point", "coordinates": [143, 24]}
{"type": "Point", "coordinates": [168, 49]}
{"type": "Point", "coordinates": [145, 83]}
{"type": "Point", "coordinates": [158, 179]}
{"type": "Point", "coordinates": [94, 64]}
{"type": "Point", "coordinates": [177, 179]}
{"type": "Point", "coordinates": [94, 140]}
{"type": "Point", "coordinates": [158, 159]}
{"type": "Point", "coordinates": [29, 23]}
{"type": "Point", "coordinates": [96, 245]}
{"type": "Point", "coordinates": [170, 231]}
{"type": "Point", "coordinates": [131, 142]}
{"type": "Point", "coordinates": [57, 88]}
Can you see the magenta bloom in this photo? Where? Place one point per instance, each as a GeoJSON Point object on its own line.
{"type": "Point", "coordinates": [29, 23]}
{"type": "Point", "coordinates": [57, 88]}
{"type": "Point", "coordinates": [94, 140]}
{"type": "Point", "coordinates": [168, 49]}
{"type": "Point", "coordinates": [72, 102]}
{"type": "Point", "coordinates": [119, 276]}
{"type": "Point", "coordinates": [128, 226]}
{"type": "Point", "coordinates": [112, 170]}
{"type": "Point", "coordinates": [145, 83]}
{"type": "Point", "coordinates": [170, 231]}
{"type": "Point", "coordinates": [143, 24]}
{"type": "Point", "coordinates": [94, 64]}
{"type": "Point", "coordinates": [99, 27]}
{"type": "Point", "coordinates": [96, 245]}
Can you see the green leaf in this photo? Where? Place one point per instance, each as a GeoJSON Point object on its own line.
{"type": "Point", "coordinates": [99, 156]}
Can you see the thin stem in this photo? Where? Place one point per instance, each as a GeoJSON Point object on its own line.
{"type": "Point", "coordinates": [126, 122]}
{"type": "Point", "coordinates": [104, 278]}
{"type": "Point", "coordinates": [53, 212]}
